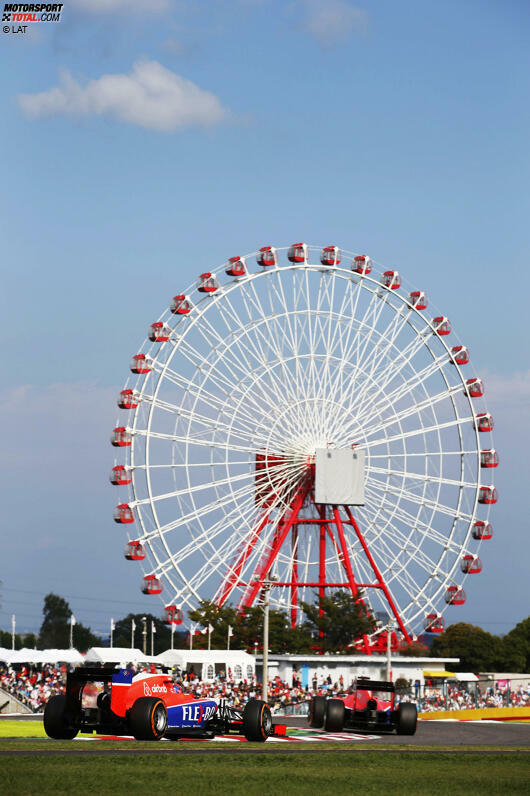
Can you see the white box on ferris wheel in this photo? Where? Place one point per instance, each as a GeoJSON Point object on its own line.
{"type": "Point", "coordinates": [339, 476]}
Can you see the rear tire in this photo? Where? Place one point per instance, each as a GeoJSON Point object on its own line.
{"type": "Point", "coordinates": [148, 719]}
{"type": "Point", "coordinates": [317, 711]}
{"type": "Point", "coordinates": [334, 718]}
{"type": "Point", "coordinates": [257, 721]}
{"type": "Point", "coordinates": [55, 722]}
{"type": "Point", "coordinates": [407, 718]}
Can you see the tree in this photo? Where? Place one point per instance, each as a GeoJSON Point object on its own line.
{"type": "Point", "coordinates": [478, 650]}
{"type": "Point", "coordinates": [516, 645]}
{"type": "Point", "coordinates": [247, 629]}
{"type": "Point", "coordinates": [344, 620]}
{"type": "Point", "coordinates": [55, 628]}
{"type": "Point", "coordinates": [414, 649]}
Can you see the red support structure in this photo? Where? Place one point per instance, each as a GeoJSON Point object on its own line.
{"type": "Point", "coordinates": [279, 538]}
{"type": "Point", "coordinates": [294, 576]}
{"type": "Point", "coordinates": [332, 526]}
{"type": "Point", "coordinates": [232, 580]}
{"type": "Point", "coordinates": [381, 583]}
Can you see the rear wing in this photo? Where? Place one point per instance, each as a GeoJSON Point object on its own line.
{"type": "Point", "coordinates": [374, 685]}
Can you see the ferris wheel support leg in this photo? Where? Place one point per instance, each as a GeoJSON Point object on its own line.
{"type": "Point", "coordinates": [232, 579]}
{"type": "Point", "coordinates": [256, 582]}
{"type": "Point", "coordinates": [346, 562]}
{"type": "Point", "coordinates": [381, 583]}
{"type": "Point", "coordinates": [322, 568]}
{"type": "Point", "coordinates": [294, 576]}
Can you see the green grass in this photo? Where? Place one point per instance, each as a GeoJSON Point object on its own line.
{"type": "Point", "coordinates": [280, 772]}
{"type": "Point", "coordinates": [22, 729]}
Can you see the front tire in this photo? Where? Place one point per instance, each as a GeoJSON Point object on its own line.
{"type": "Point", "coordinates": [148, 719]}
{"type": "Point", "coordinates": [317, 711]}
{"type": "Point", "coordinates": [257, 721]}
{"type": "Point", "coordinates": [407, 718]}
{"type": "Point", "coordinates": [334, 718]}
{"type": "Point", "coordinates": [55, 723]}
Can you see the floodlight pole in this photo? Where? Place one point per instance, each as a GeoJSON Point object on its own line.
{"type": "Point", "coordinates": [389, 629]}
{"type": "Point", "coordinates": [265, 680]}
{"type": "Point", "coordinates": [144, 633]}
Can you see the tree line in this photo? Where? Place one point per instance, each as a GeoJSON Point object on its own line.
{"type": "Point", "coordinates": [330, 625]}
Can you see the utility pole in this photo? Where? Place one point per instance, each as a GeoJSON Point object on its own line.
{"type": "Point", "coordinates": [153, 631]}
{"type": "Point", "coordinates": [72, 623]}
{"type": "Point", "coordinates": [133, 628]}
{"type": "Point", "coordinates": [112, 628]}
{"type": "Point", "coordinates": [172, 628]}
{"type": "Point", "coordinates": [13, 628]}
{"type": "Point", "coordinates": [144, 633]}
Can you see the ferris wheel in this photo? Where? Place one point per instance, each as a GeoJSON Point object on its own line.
{"type": "Point", "coordinates": [266, 364]}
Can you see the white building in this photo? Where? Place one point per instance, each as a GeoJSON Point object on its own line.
{"type": "Point", "coordinates": [307, 667]}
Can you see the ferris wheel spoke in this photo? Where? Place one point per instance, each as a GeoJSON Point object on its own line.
{"type": "Point", "coordinates": [420, 477]}
{"type": "Point", "coordinates": [417, 526]}
{"type": "Point", "coordinates": [404, 359]}
{"type": "Point", "coordinates": [414, 433]}
{"type": "Point", "coordinates": [194, 489]}
{"type": "Point", "coordinates": [413, 498]}
{"type": "Point", "coordinates": [372, 406]}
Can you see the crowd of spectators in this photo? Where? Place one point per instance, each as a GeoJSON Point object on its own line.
{"type": "Point", "coordinates": [467, 696]}
{"type": "Point", "coordinates": [33, 685]}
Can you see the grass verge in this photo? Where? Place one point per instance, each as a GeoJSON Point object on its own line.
{"type": "Point", "coordinates": [233, 773]}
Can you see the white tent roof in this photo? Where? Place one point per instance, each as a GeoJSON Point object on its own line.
{"type": "Point", "coordinates": [27, 655]}
{"type": "Point", "coordinates": [120, 655]}
{"type": "Point", "coordinates": [466, 677]}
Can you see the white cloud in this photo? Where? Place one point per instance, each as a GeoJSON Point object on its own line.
{"type": "Point", "coordinates": [151, 96]}
{"type": "Point", "coordinates": [109, 6]}
{"type": "Point", "coordinates": [330, 21]}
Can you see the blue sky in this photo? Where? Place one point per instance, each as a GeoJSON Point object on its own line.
{"type": "Point", "coordinates": [143, 142]}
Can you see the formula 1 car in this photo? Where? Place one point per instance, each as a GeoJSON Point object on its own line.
{"type": "Point", "coordinates": [149, 707]}
{"type": "Point", "coordinates": [370, 707]}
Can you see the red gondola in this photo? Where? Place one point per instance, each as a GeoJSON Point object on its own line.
{"type": "Point", "coordinates": [482, 530]}
{"type": "Point", "coordinates": [297, 253]}
{"type": "Point", "coordinates": [236, 266]}
{"type": "Point", "coordinates": [442, 325]}
{"type": "Point", "coordinates": [487, 495]}
{"type": "Point", "coordinates": [391, 279]}
{"type": "Point", "coordinates": [455, 595]}
{"type": "Point", "coordinates": [173, 615]}
{"type": "Point", "coordinates": [330, 255]}
{"type": "Point", "coordinates": [267, 256]}
{"type": "Point", "coordinates": [121, 437]}
{"type": "Point", "coordinates": [151, 585]}
{"type": "Point", "coordinates": [361, 264]}
{"type": "Point", "coordinates": [489, 458]}
{"type": "Point", "coordinates": [434, 623]}
{"type": "Point", "coordinates": [141, 363]}
{"type": "Point", "coordinates": [459, 355]}
{"type": "Point", "coordinates": [128, 399]}
{"type": "Point", "coordinates": [207, 283]}
{"type": "Point", "coordinates": [475, 388]}
{"type": "Point", "coordinates": [181, 305]}
{"type": "Point", "coordinates": [159, 332]}
{"type": "Point", "coordinates": [418, 299]}
{"type": "Point", "coordinates": [484, 422]}
{"type": "Point", "coordinates": [134, 551]}
{"type": "Point", "coordinates": [471, 565]}
{"type": "Point", "coordinates": [119, 476]}
{"type": "Point", "coordinates": [123, 514]}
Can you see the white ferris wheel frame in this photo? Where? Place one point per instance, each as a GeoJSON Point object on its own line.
{"type": "Point", "coordinates": [170, 563]}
